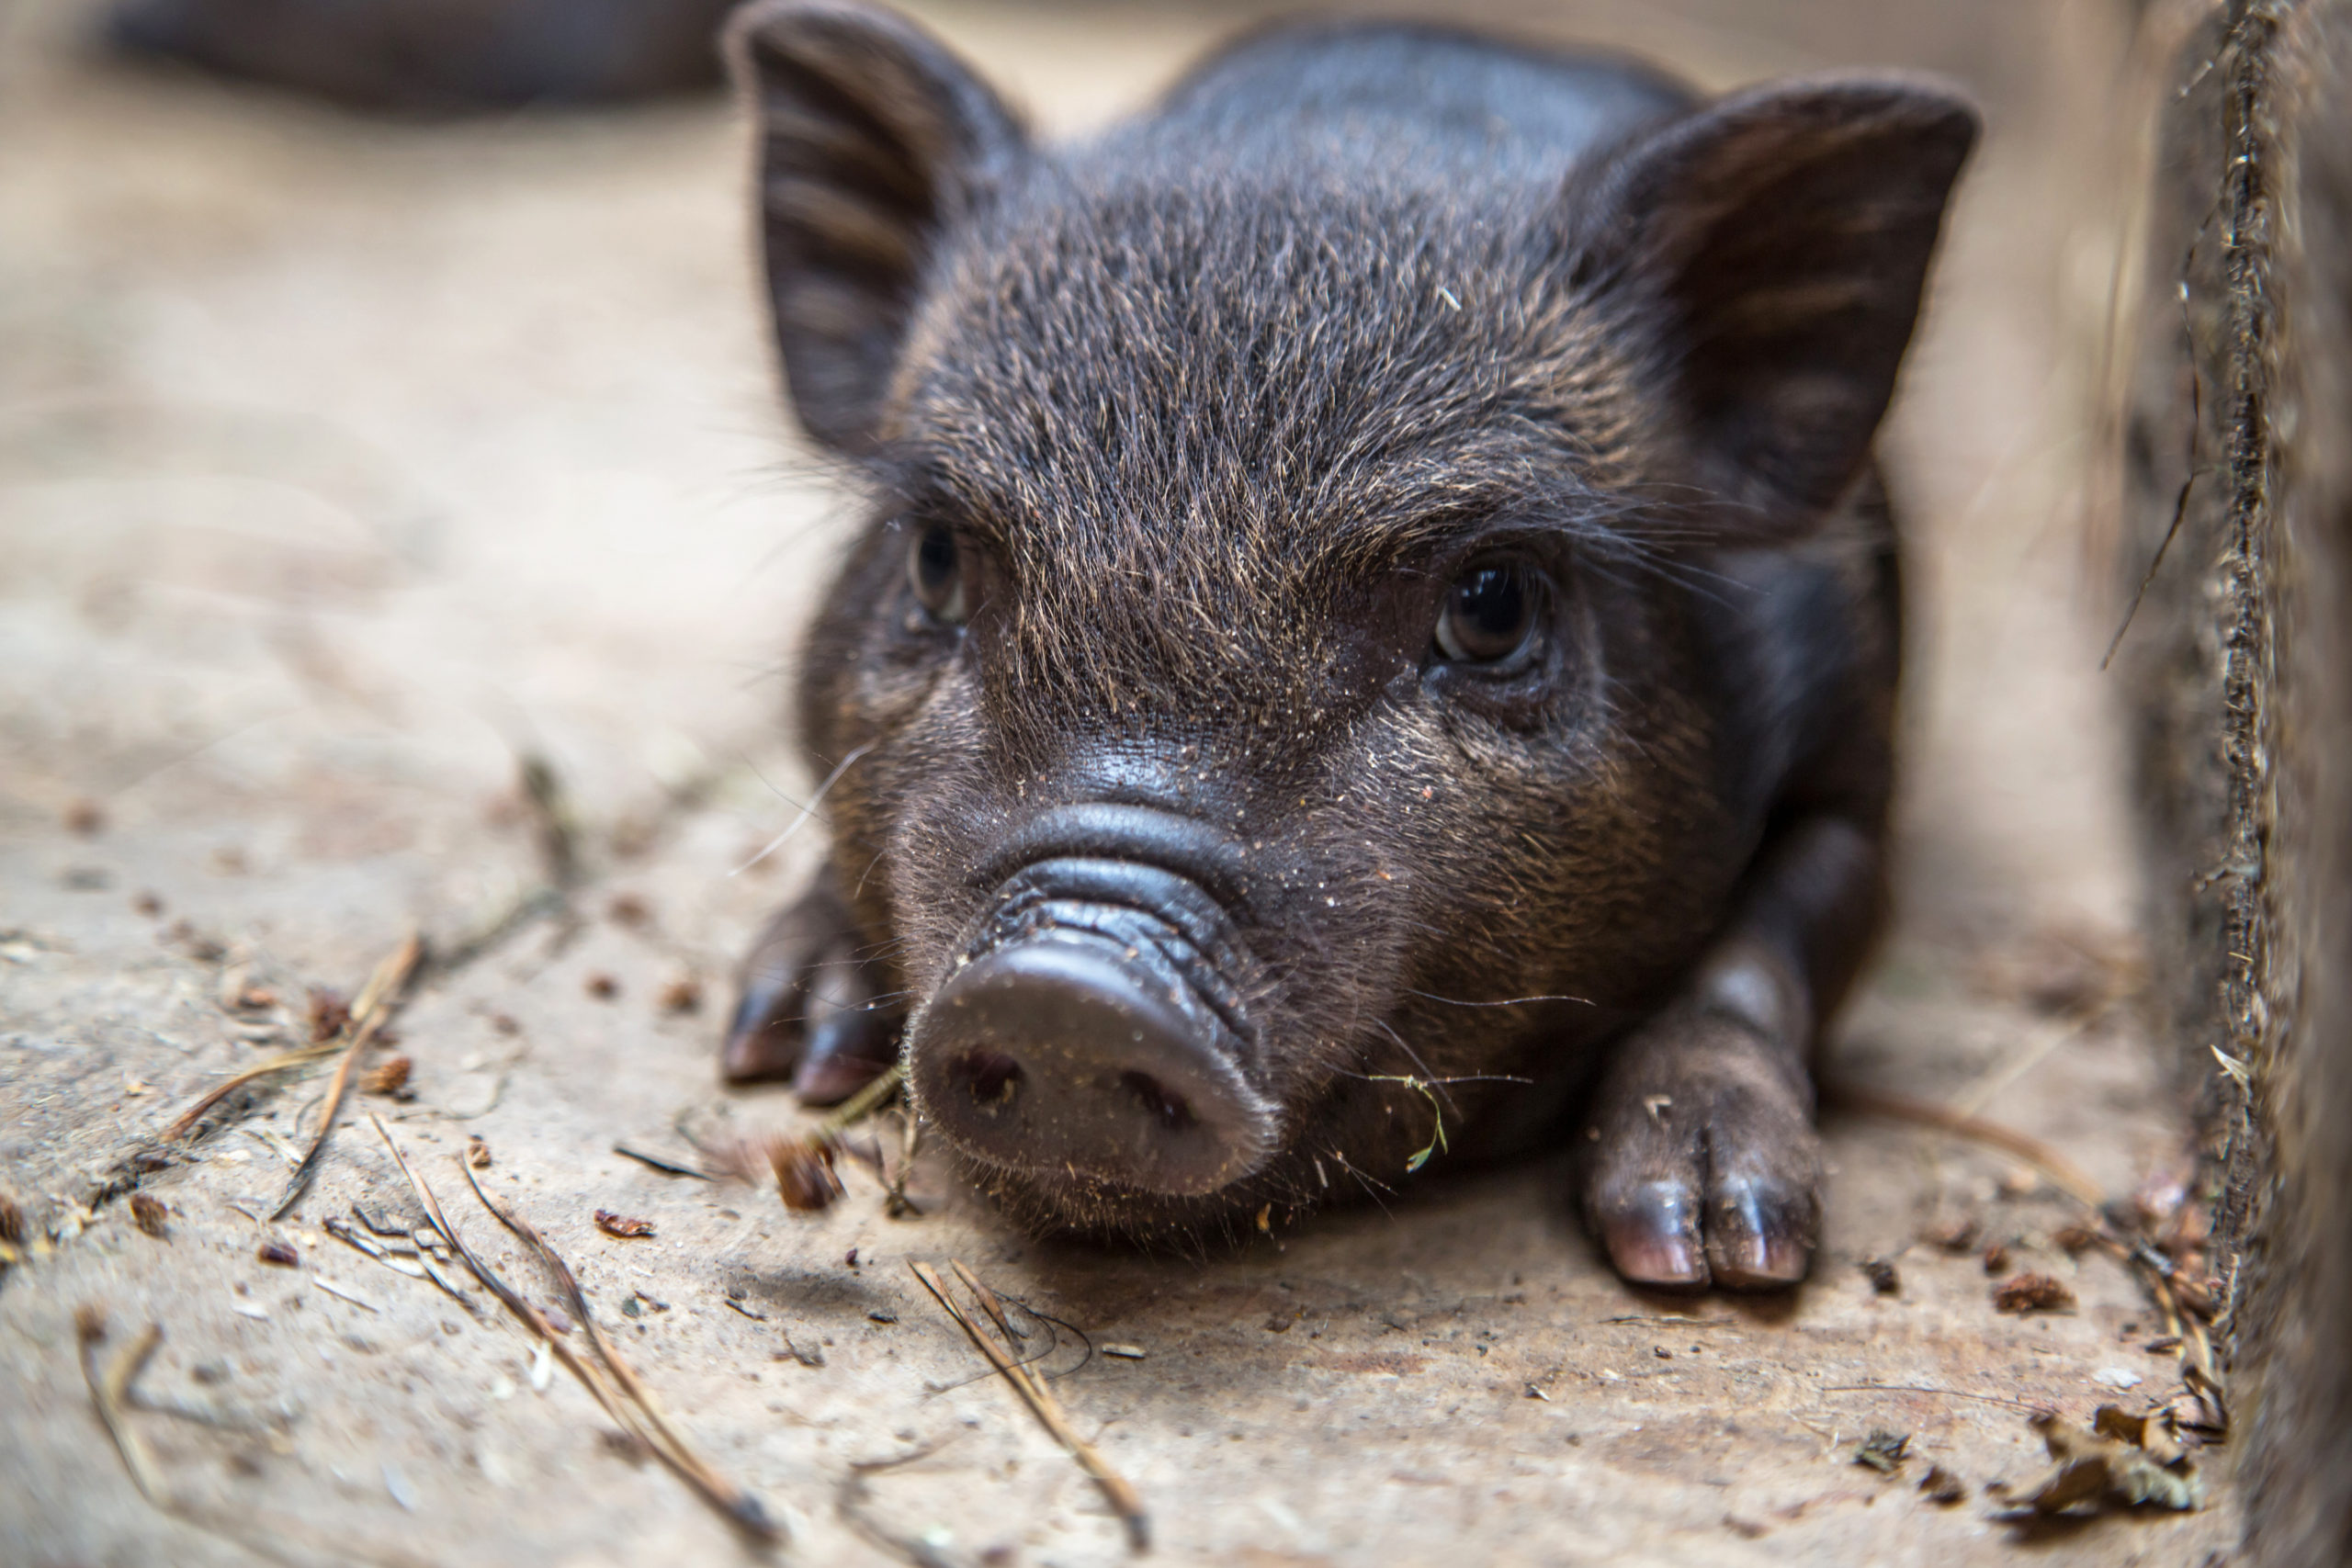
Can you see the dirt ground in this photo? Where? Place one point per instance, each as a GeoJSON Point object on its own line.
{"type": "Point", "coordinates": [341, 464]}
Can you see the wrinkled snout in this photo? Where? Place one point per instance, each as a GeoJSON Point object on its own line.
{"type": "Point", "coordinates": [1093, 1026]}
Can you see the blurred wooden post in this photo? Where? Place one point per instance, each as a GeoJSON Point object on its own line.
{"type": "Point", "coordinates": [2239, 664]}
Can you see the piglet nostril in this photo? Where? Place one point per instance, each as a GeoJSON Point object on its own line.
{"type": "Point", "coordinates": [991, 1078]}
{"type": "Point", "coordinates": [1169, 1110]}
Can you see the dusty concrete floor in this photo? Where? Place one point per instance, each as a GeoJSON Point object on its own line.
{"type": "Point", "coordinates": [339, 463]}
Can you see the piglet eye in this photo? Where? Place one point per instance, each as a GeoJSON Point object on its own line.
{"type": "Point", "coordinates": [935, 571]}
{"type": "Point", "coordinates": [1489, 613]}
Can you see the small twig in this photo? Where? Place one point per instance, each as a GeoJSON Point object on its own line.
{"type": "Point", "coordinates": [738, 1505]}
{"type": "Point", "coordinates": [1035, 1394]}
{"type": "Point", "coordinates": [666, 1167]}
{"type": "Point", "coordinates": [297, 1057]}
{"type": "Point", "coordinates": [557, 825]}
{"type": "Point", "coordinates": [1981, 1093]}
{"type": "Point", "coordinates": [862, 1104]}
{"type": "Point", "coordinates": [492, 1282]}
{"type": "Point", "coordinates": [1922, 1388]}
{"type": "Point", "coordinates": [849, 1501]}
{"type": "Point", "coordinates": [641, 1423]}
{"type": "Point", "coordinates": [110, 1390]}
{"type": "Point", "coordinates": [367, 1015]}
{"type": "Point", "coordinates": [989, 1303]}
{"type": "Point", "coordinates": [2062, 1172]}
{"type": "Point", "coordinates": [895, 1201]}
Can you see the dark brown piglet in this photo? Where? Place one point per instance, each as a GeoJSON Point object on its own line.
{"type": "Point", "coordinates": [1377, 617]}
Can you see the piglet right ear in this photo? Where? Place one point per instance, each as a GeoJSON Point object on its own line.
{"type": "Point", "coordinates": [874, 140]}
{"type": "Point", "coordinates": [1776, 242]}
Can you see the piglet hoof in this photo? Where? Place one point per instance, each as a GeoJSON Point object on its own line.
{"type": "Point", "coordinates": [806, 1006]}
{"type": "Point", "coordinates": [1701, 1166]}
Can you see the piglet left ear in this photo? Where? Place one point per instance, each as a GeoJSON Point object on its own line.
{"type": "Point", "coordinates": [1775, 243]}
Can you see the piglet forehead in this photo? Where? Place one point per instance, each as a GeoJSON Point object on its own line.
{"type": "Point", "coordinates": [1124, 369]}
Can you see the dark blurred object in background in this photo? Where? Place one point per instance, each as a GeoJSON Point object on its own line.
{"type": "Point", "coordinates": [438, 56]}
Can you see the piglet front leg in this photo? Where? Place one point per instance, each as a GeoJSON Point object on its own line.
{"type": "Point", "coordinates": [809, 1003]}
{"type": "Point", "coordinates": [1702, 1165]}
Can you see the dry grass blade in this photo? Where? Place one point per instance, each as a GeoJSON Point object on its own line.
{"type": "Point", "coordinates": [738, 1505]}
{"type": "Point", "coordinates": [495, 1283]}
{"type": "Point", "coordinates": [1034, 1392]}
{"type": "Point", "coordinates": [632, 1411]}
{"type": "Point", "coordinates": [850, 1499]}
{"type": "Point", "coordinates": [261, 1536]}
{"type": "Point", "coordinates": [367, 1015]}
{"type": "Point", "coordinates": [300, 1056]}
{"type": "Point", "coordinates": [989, 1303]}
{"type": "Point", "coordinates": [235, 1081]}
{"type": "Point", "coordinates": [109, 1392]}
{"type": "Point", "coordinates": [2061, 1172]}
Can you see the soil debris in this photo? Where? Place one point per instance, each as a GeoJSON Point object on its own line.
{"type": "Point", "coordinates": [477, 1152]}
{"type": "Point", "coordinates": [1996, 1258]}
{"type": "Point", "coordinates": [147, 1211]}
{"type": "Point", "coordinates": [2096, 1472]}
{"type": "Point", "coordinates": [278, 1253]}
{"type": "Point", "coordinates": [330, 1013]}
{"type": "Point", "coordinates": [1883, 1450]}
{"type": "Point", "coordinates": [603, 987]}
{"type": "Point", "coordinates": [389, 1079]}
{"type": "Point", "coordinates": [681, 994]}
{"type": "Point", "coordinates": [1884, 1278]}
{"type": "Point", "coordinates": [85, 819]}
{"type": "Point", "coordinates": [2076, 1239]}
{"type": "Point", "coordinates": [623, 1226]}
{"type": "Point", "coordinates": [1941, 1487]}
{"type": "Point", "coordinates": [2031, 1293]}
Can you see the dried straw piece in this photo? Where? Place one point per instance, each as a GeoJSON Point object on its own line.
{"type": "Point", "coordinates": [1035, 1394]}
{"type": "Point", "coordinates": [368, 1016]}
{"type": "Point", "coordinates": [738, 1505]}
{"type": "Point", "coordinates": [630, 1404]}
{"type": "Point", "coordinates": [110, 1391]}
{"type": "Point", "coordinates": [2061, 1172]}
{"type": "Point", "coordinates": [326, 1009]}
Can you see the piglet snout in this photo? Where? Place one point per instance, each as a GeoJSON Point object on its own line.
{"type": "Point", "coordinates": [1094, 1031]}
